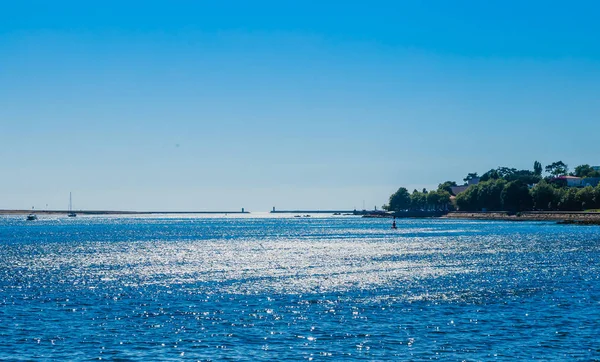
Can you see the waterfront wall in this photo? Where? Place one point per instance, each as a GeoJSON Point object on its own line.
{"type": "Point", "coordinates": [418, 213]}
{"type": "Point", "coordinates": [559, 216]}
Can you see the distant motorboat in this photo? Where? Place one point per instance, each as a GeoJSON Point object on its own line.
{"type": "Point", "coordinates": [71, 213]}
{"type": "Point", "coordinates": [31, 217]}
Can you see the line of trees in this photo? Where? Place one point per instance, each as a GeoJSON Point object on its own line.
{"type": "Point", "coordinates": [402, 200]}
{"type": "Point", "coordinates": [507, 189]}
{"type": "Point", "coordinates": [499, 194]}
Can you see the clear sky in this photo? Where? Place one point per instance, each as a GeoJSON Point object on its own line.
{"type": "Point", "coordinates": [203, 105]}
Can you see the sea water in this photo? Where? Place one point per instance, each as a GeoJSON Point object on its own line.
{"type": "Point", "coordinates": [285, 288]}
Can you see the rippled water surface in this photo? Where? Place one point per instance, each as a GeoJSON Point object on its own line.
{"type": "Point", "coordinates": [262, 288]}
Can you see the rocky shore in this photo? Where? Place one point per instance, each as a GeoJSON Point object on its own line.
{"type": "Point", "coordinates": [562, 217]}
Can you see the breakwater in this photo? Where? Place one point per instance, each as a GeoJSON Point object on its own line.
{"type": "Point", "coordinates": [116, 212]}
{"type": "Point", "coordinates": [570, 217]}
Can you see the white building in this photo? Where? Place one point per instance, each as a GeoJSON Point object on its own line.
{"type": "Point", "coordinates": [571, 181]}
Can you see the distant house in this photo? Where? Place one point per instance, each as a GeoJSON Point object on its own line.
{"type": "Point", "coordinates": [458, 189]}
{"type": "Point", "coordinates": [570, 181]}
{"type": "Point", "coordinates": [590, 181]}
{"type": "Point", "coordinates": [596, 168]}
{"type": "Point", "coordinates": [474, 181]}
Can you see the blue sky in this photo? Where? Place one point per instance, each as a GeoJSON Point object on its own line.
{"type": "Point", "coordinates": [193, 105]}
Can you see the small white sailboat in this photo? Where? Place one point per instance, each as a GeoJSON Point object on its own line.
{"type": "Point", "coordinates": [71, 213]}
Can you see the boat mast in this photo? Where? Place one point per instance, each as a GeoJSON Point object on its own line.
{"type": "Point", "coordinates": [70, 202]}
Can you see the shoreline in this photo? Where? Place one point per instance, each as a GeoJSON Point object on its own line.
{"type": "Point", "coordinates": [560, 217]}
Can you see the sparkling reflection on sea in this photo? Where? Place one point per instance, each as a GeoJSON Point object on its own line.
{"type": "Point", "coordinates": [321, 288]}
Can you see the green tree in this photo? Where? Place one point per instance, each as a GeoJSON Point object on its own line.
{"type": "Point", "coordinates": [516, 197]}
{"type": "Point", "coordinates": [433, 199]}
{"type": "Point", "coordinates": [438, 200]}
{"type": "Point", "coordinates": [470, 176]}
{"type": "Point", "coordinates": [418, 200]}
{"type": "Point", "coordinates": [443, 200]}
{"type": "Point", "coordinates": [586, 197]}
{"type": "Point", "coordinates": [399, 200]}
{"type": "Point", "coordinates": [489, 194]}
{"type": "Point", "coordinates": [468, 200]}
{"type": "Point", "coordinates": [557, 168]}
{"type": "Point", "coordinates": [559, 195]}
{"type": "Point", "coordinates": [506, 172]}
{"type": "Point", "coordinates": [537, 168]}
{"type": "Point", "coordinates": [447, 186]}
{"type": "Point", "coordinates": [490, 175]}
{"type": "Point", "coordinates": [557, 183]}
{"type": "Point", "coordinates": [525, 176]}
{"type": "Point", "coordinates": [543, 196]}
{"type": "Point", "coordinates": [585, 171]}
{"type": "Point", "coordinates": [569, 200]}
